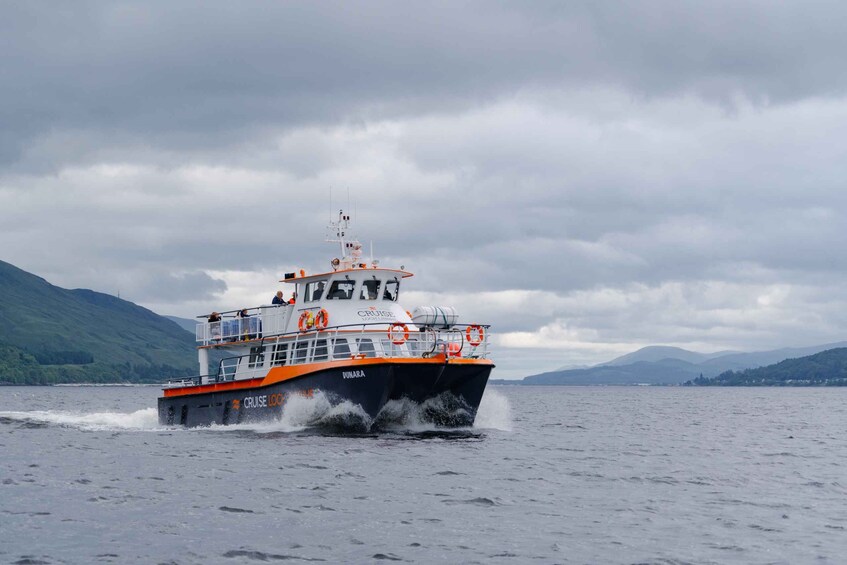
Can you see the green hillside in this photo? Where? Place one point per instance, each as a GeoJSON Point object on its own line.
{"type": "Point", "coordinates": [53, 335]}
{"type": "Point", "coordinates": [828, 368]}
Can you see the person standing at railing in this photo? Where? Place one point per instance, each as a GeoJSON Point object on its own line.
{"type": "Point", "coordinates": [278, 299]}
{"type": "Point", "coordinates": [293, 298]}
{"type": "Point", "coordinates": [244, 320]}
{"type": "Point", "coordinates": [215, 326]}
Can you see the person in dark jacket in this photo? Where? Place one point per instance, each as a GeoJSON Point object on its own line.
{"type": "Point", "coordinates": [215, 326]}
{"type": "Point", "coordinates": [278, 298]}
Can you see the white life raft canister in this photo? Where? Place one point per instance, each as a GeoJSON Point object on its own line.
{"type": "Point", "coordinates": [435, 316]}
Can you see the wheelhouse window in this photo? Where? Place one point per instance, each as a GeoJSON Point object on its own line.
{"type": "Point", "coordinates": [314, 291]}
{"type": "Point", "coordinates": [370, 290]}
{"type": "Point", "coordinates": [392, 289]}
{"type": "Point", "coordinates": [341, 290]}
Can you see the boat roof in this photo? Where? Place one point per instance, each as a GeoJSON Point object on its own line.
{"type": "Point", "coordinates": [309, 278]}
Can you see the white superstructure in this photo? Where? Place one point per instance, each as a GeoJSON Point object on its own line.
{"type": "Point", "coordinates": [352, 310]}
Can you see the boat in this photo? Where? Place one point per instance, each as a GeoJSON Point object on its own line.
{"type": "Point", "coordinates": [345, 337]}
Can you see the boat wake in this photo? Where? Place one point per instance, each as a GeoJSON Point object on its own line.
{"type": "Point", "coordinates": [317, 413]}
{"type": "Point", "coordinates": [146, 419]}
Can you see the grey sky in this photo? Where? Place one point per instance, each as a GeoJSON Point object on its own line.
{"type": "Point", "coordinates": [590, 178]}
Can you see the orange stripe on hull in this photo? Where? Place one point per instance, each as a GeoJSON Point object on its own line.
{"type": "Point", "coordinates": [280, 374]}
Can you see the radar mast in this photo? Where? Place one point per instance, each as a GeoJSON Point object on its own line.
{"type": "Point", "coordinates": [351, 249]}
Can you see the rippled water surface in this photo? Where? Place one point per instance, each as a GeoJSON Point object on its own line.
{"type": "Point", "coordinates": [548, 475]}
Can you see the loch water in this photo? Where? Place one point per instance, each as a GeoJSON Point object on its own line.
{"type": "Point", "coordinates": [547, 475]}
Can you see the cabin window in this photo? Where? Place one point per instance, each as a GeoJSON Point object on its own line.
{"type": "Point", "coordinates": [320, 350]}
{"type": "Point", "coordinates": [341, 349]}
{"type": "Point", "coordinates": [370, 290]}
{"type": "Point", "coordinates": [257, 357]}
{"type": "Point", "coordinates": [280, 354]}
{"type": "Point", "coordinates": [392, 289]}
{"type": "Point", "coordinates": [314, 291]}
{"type": "Point", "coordinates": [391, 349]}
{"type": "Point", "coordinates": [366, 346]}
{"type": "Point", "coordinates": [300, 352]}
{"type": "Point", "coordinates": [341, 290]}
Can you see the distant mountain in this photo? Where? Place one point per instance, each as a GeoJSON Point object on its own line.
{"type": "Point", "coordinates": [827, 368]}
{"type": "Point", "coordinates": [669, 365]}
{"type": "Point", "coordinates": [571, 367]}
{"type": "Point", "coordinates": [666, 371]}
{"type": "Point", "coordinates": [653, 353]}
{"type": "Point", "coordinates": [50, 334]}
{"type": "Point", "coordinates": [740, 361]}
{"type": "Point", "coordinates": [186, 324]}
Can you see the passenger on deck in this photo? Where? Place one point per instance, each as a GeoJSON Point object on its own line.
{"type": "Point", "coordinates": [293, 298]}
{"type": "Point", "coordinates": [245, 324]}
{"type": "Point", "coordinates": [215, 326]}
{"type": "Point", "coordinates": [278, 298]}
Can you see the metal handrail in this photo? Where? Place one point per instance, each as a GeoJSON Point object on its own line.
{"type": "Point", "coordinates": [336, 328]}
{"type": "Point", "coordinates": [253, 310]}
{"type": "Point", "coordinates": [438, 337]}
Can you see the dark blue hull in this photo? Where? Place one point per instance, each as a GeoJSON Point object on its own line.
{"type": "Point", "coordinates": [369, 387]}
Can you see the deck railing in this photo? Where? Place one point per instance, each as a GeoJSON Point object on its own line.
{"type": "Point", "coordinates": [343, 343]}
{"type": "Point", "coordinates": [231, 327]}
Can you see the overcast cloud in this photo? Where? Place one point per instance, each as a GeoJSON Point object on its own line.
{"type": "Point", "coordinates": [589, 178]}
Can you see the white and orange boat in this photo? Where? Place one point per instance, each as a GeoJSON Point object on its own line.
{"type": "Point", "coordinates": [346, 337]}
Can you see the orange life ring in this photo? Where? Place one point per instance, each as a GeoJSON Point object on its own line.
{"type": "Point", "coordinates": [480, 337]}
{"type": "Point", "coordinates": [322, 319]}
{"type": "Point", "coordinates": [401, 337]}
{"type": "Point", "coordinates": [306, 321]}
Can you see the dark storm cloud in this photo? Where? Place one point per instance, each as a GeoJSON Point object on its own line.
{"type": "Point", "coordinates": [175, 73]}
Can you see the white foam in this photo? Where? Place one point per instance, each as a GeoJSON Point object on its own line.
{"type": "Point", "coordinates": [403, 414]}
{"type": "Point", "coordinates": [146, 419]}
{"type": "Point", "coordinates": [495, 411]}
{"type": "Point", "coordinates": [303, 412]}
